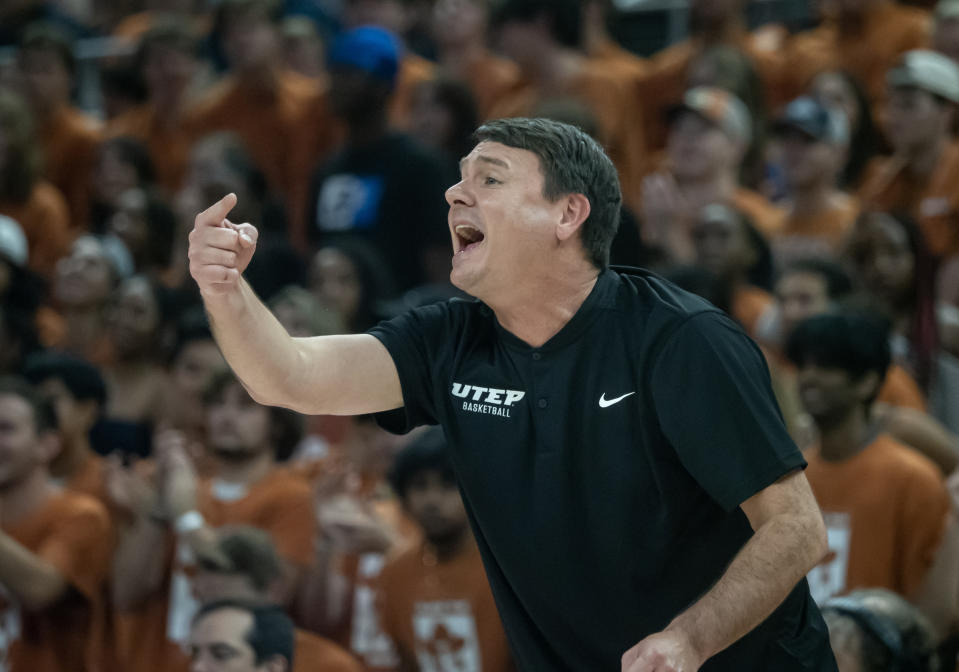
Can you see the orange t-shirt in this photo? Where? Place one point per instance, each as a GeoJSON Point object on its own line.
{"type": "Point", "coordinates": [885, 510]}
{"type": "Point", "coordinates": [441, 615]}
{"type": "Point", "coordinates": [901, 389]}
{"type": "Point", "coordinates": [933, 201]}
{"type": "Point", "coordinates": [72, 533]}
{"type": "Point", "coordinates": [287, 131]}
{"type": "Point", "coordinates": [766, 217]}
{"type": "Point", "coordinates": [89, 479]}
{"type": "Point", "coordinates": [816, 235]}
{"type": "Point", "coordinates": [611, 96]}
{"type": "Point", "coordinates": [313, 653]}
{"type": "Point", "coordinates": [169, 146]}
{"type": "Point", "coordinates": [887, 31]}
{"type": "Point", "coordinates": [45, 220]}
{"type": "Point", "coordinates": [413, 71]}
{"type": "Point", "coordinates": [281, 503]}
{"type": "Point", "coordinates": [69, 142]}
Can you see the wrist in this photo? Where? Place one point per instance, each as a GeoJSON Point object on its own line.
{"type": "Point", "coordinates": [685, 632]}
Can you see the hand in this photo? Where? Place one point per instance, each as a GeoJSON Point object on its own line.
{"type": "Point", "coordinates": [349, 527]}
{"type": "Point", "coordinates": [667, 651]}
{"type": "Point", "coordinates": [127, 490]}
{"type": "Point", "coordinates": [178, 479]}
{"type": "Point", "coordinates": [219, 249]}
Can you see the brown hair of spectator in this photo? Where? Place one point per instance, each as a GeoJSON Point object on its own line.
{"type": "Point", "coordinates": [21, 163]}
{"type": "Point", "coordinates": [47, 37]}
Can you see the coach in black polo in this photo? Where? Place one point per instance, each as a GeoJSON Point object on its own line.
{"type": "Point", "coordinates": [637, 500]}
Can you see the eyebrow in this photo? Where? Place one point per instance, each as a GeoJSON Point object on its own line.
{"type": "Point", "coordinates": [485, 159]}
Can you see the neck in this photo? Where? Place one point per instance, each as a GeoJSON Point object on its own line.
{"type": "Point", "coordinates": [262, 77]}
{"type": "Point", "coordinates": [544, 307]}
{"type": "Point", "coordinates": [922, 161]}
{"type": "Point", "coordinates": [20, 499]}
{"type": "Point", "coordinates": [84, 325]}
{"type": "Point", "coordinates": [847, 437]}
{"type": "Point", "coordinates": [452, 547]}
{"type": "Point", "coordinates": [368, 128]}
{"type": "Point", "coordinates": [718, 188]}
{"type": "Point", "coordinates": [71, 458]}
{"type": "Point", "coordinates": [246, 471]}
{"type": "Point", "coordinates": [812, 199]}
{"type": "Point", "coordinates": [168, 106]}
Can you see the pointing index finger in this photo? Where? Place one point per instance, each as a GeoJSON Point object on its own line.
{"type": "Point", "coordinates": [216, 213]}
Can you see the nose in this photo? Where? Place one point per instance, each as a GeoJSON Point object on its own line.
{"type": "Point", "coordinates": [458, 194]}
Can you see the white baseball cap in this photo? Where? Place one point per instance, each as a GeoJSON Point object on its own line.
{"type": "Point", "coordinates": [927, 70]}
{"type": "Point", "coordinates": [13, 244]}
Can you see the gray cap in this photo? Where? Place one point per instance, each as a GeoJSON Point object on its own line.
{"type": "Point", "coordinates": [720, 107]}
{"type": "Point", "coordinates": [926, 70]}
{"type": "Point", "coordinates": [13, 244]}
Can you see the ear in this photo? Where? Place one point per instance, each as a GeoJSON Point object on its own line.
{"type": "Point", "coordinates": [576, 210]}
{"type": "Point", "coordinates": [48, 446]}
{"type": "Point", "coordinates": [868, 386]}
{"type": "Point", "coordinates": [277, 664]}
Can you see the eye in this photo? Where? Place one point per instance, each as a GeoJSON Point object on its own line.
{"type": "Point", "coordinates": [491, 180]}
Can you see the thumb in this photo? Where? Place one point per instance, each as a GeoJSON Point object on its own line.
{"type": "Point", "coordinates": [248, 234]}
{"type": "Point", "coordinates": [216, 213]}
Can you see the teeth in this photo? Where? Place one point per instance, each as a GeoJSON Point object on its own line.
{"type": "Point", "coordinates": [469, 233]}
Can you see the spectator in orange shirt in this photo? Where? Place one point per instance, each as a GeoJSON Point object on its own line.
{"type": "Point", "coordinates": [890, 540]}
{"type": "Point", "coordinates": [75, 390]}
{"type": "Point", "coordinates": [921, 178]}
{"type": "Point", "coordinates": [54, 547]}
{"type": "Point", "coordinates": [245, 566]}
{"type": "Point", "coordinates": [236, 636]}
{"type": "Point", "coordinates": [460, 30]}
{"type": "Point", "coordinates": [544, 37]}
{"type": "Point", "coordinates": [166, 60]}
{"type": "Point", "coordinates": [34, 203]}
{"type": "Point", "coordinates": [303, 49]}
{"type": "Point", "coordinates": [68, 137]}
{"type": "Point", "coordinates": [862, 37]}
{"type": "Point", "coordinates": [281, 116]}
{"type": "Point", "coordinates": [945, 32]}
{"type": "Point", "coordinates": [842, 91]}
{"type": "Point", "coordinates": [434, 600]}
{"type": "Point", "coordinates": [708, 136]}
{"type": "Point", "coordinates": [246, 487]}
{"type": "Point", "coordinates": [814, 140]}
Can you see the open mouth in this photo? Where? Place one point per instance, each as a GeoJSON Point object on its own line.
{"type": "Point", "coordinates": [467, 237]}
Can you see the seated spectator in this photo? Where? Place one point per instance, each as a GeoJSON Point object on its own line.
{"type": "Point", "coordinates": [54, 548]}
{"type": "Point", "coordinates": [76, 392]}
{"type": "Point", "coordinates": [708, 136]}
{"type": "Point", "coordinates": [875, 630]}
{"type": "Point", "coordinates": [245, 566]}
{"type": "Point", "coordinates": [840, 90]}
{"type": "Point", "coordinates": [436, 594]}
{"type": "Point", "coordinates": [138, 327]}
{"type": "Point", "coordinates": [245, 487]}
{"type": "Point", "coordinates": [886, 537]}
{"type": "Point", "coordinates": [281, 116]}
{"type": "Point", "coordinates": [382, 187]}
{"type": "Point", "coordinates": [34, 203]}
{"type": "Point", "coordinates": [729, 246]}
{"type": "Point", "coordinates": [82, 289]}
{"type": "Point", "coordinates": [544, 37]}
{"type": "Point", "coordinates": [122, 164]}
{"type": "Point", "coordinates": [922, 177]}
{"type": "Point", "coordinates": [460, 29]}
{"type": "Point", "coordinates": [864, 38]}
{"type": "Point", "coordinates": [895, 269]}
{"type": "Point", "coordinates": [234, 636]}
{"type": "Point", "coordinates": [166, 60]}
{"type": "Point", "coordinates": [147, 226]}
{"type": "Point", "coordinates": [68, 137]}
{"type": "Point", "coordinates": [350, 278]}
{"type": "Point", "coordinates": [814, 140]}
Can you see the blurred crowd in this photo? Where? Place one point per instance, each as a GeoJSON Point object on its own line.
{"type": "Point", "coordinates": [154, 517]}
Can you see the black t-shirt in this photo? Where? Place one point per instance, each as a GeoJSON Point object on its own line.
{"type": "Point", "coordinates": [603, 471]}
{"type": "Point", "coordinates": [390, 193]}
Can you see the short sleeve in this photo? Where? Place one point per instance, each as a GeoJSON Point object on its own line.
{"type": "Point", "coordinates": [416, 341]}
{"type": "Point", "coordinates": [715, 405]}
{"type": "Point", "coordinates": [81, 545]}
{"type": "Point", "coordinates": [925, 510]}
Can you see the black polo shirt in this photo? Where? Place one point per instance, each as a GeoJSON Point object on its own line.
{"type": "Point", "coordinates": [603, 471]}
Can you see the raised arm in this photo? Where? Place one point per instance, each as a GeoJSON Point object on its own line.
{"type": "Point", "coordinates": [335, 375]}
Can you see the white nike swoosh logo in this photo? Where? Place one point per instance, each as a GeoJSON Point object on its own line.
{"type": "Point", "coordinates": [604, 402]}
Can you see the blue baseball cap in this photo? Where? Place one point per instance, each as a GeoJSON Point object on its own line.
{"type": "Point", "coordinates": [368, 48]}
{"type": "Point", "coordinates": [814, 120]}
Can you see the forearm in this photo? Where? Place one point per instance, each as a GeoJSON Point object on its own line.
{"type": "Point", "coordinates": [35, 583]}
{"type": "Point", "coordinates": [255, 344]}
{"type": "Point", "coordinates": [759, 578]}
{"type": "Point", "coordinates": [139, 562]}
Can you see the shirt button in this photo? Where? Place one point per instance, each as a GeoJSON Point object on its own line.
{"type": "Point", "coordinates": [537, 356]}
{"type": "Point", "coordinates": [542, 403]}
